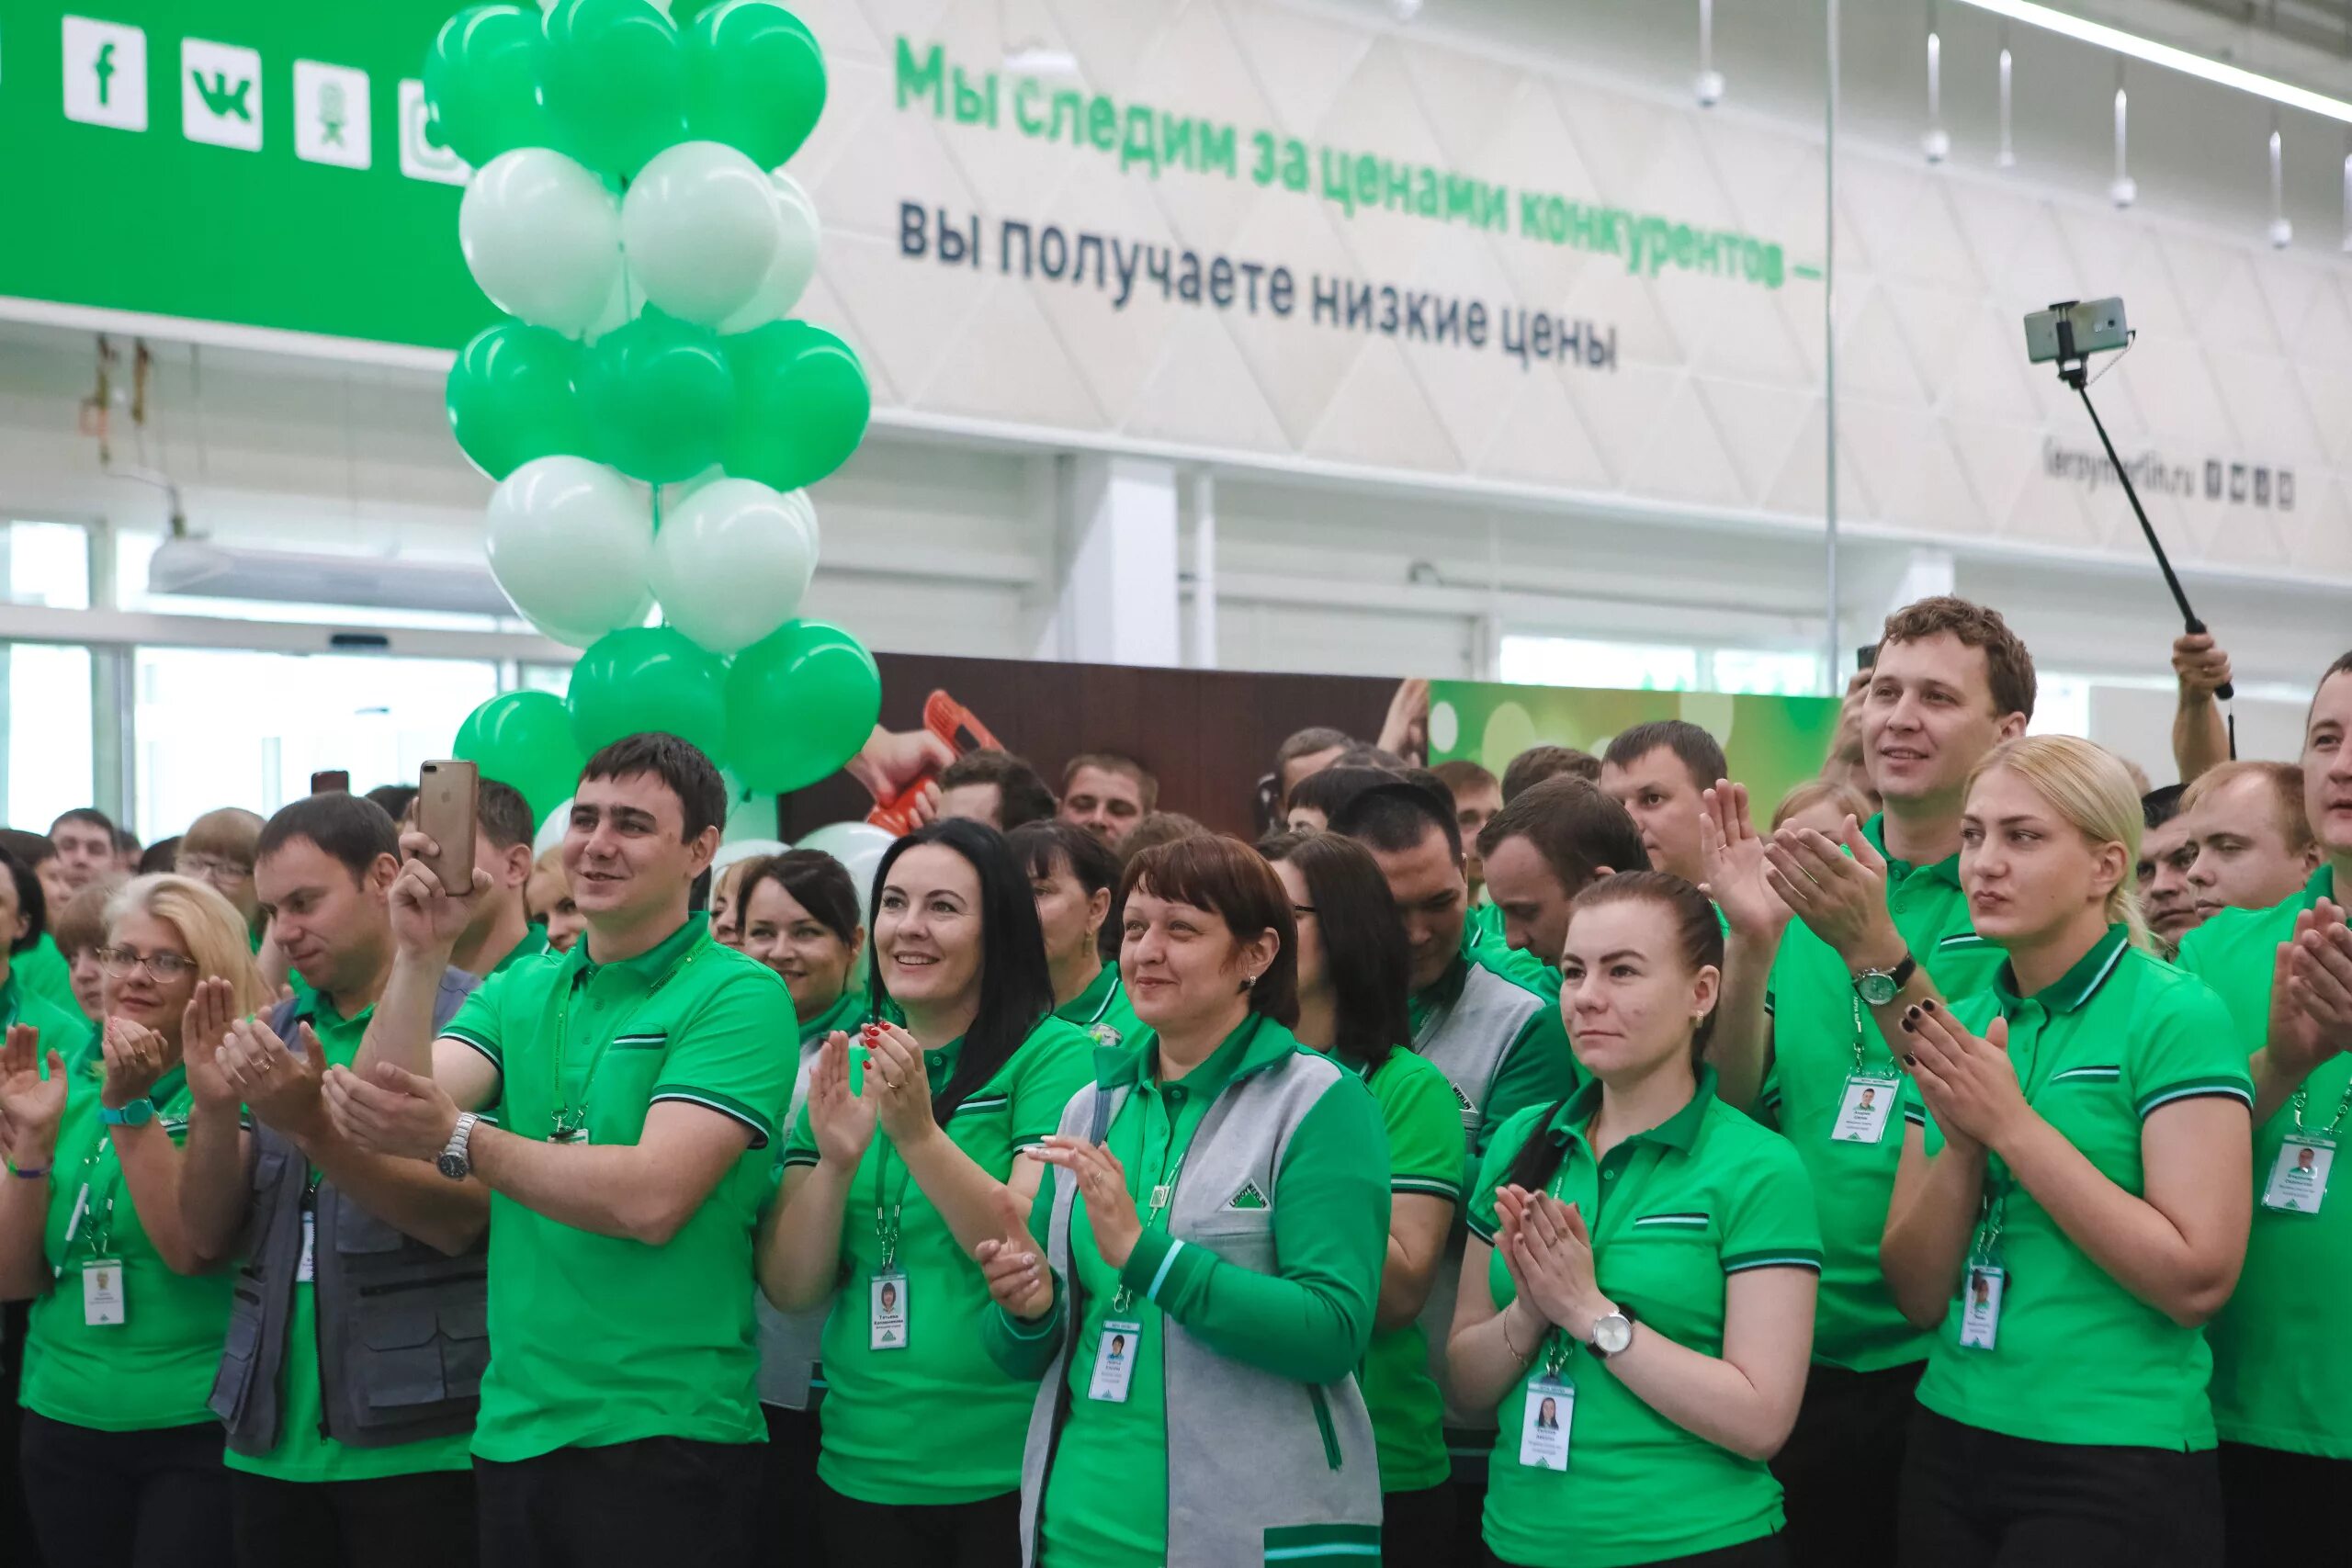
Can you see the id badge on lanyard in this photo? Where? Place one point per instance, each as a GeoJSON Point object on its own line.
{"type": "Point", "coordinates": [2298, 1183]}
{"type": "Point", "coordinates": [1867, 1107]}
{"type": "Point", "coordinates": [1544, 1426]}
{"type": "Point", "coordinates": [1115, 1361]}
{"type": "Point", "coordinates": [885, 1288]}
{"type": "Point", "coordinates": [1983, 1281]}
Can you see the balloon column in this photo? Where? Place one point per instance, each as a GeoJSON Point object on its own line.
{"type": "Point", "coordinates": [648, 409]}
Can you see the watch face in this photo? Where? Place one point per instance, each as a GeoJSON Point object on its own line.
{"type": "Point", "coordinates": [1612, 1334]}
{"type": "Point", "coordinates": [454, 1166]}
{"type": "Point", "coordinates": [1877, 989]}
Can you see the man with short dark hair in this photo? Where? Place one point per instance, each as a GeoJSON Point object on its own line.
{"type": "Point", "coordinates": [2282, 1367]}
{"type": "Point", "coordinates": [395, 798]}
{"type": "Point", "coordinates": [1553, 839]}
{"type": "Point", "coordinates": [1537, 763]}
{"type": "Point", "coordinates": [637, 1081]}
{"type": "Point", "coordinates": [1308, 751]}
{"type": "Point", "coordinates": [357, 1268]}
{"type": "Point", "coordinates": [84, 838]}
{"type": "Point", "coordinates": [994, 788]}
{"type": "Point", "coordinates": [1658, 772]}
{"type": "Point", "coordinates": [2250, 843]}
{"type": "Point", "coordinates": [1477, 796]}
{"type": "Point", "coordinates": [1881, 924]}
{"type": "Point", "coordinates": [1107, 794]}
{"type": "Point", "coordinates": [127, 851]}
{"type": "Point", "coordinates": [1482, 1017]}
{"type": "Point", "coordinates": [502, 930]}
{"type": "Point", "coordinates": [2162, 870]}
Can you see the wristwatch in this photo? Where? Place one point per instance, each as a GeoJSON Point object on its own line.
{"type": "Point", "coordinates": [453, 1162]}
{"type": "Point", "coordinates": [1613, 1332]}
{"type": "Point", "coordinates": [1880, 986]}
{"type": "Point", "coordinates": [132, 1113]}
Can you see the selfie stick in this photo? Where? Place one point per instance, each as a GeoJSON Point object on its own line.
{"type": "Point", "coordinates": [2074, 369]}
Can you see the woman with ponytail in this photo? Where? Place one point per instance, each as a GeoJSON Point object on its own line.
{"type": "Point", "coordinates": [1637, 1296]}
{"type": "Point", "coordinates": [2073, 1201]}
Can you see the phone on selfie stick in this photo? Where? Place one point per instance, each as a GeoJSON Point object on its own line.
{"type": "Point", "coordinates": [446, 792]}
{"type": "Point", "coordinates": [331, 780]}
{"type": "Point", "coordinates": [955, 724]}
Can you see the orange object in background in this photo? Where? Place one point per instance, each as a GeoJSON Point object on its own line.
{"type": "Point", "coordinates": [955, 724]}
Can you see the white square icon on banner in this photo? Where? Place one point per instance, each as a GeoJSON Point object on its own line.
{"type": "Point", "coordinates": [421, 158]}
{"type": "Point", "coordinates": [331, 123]}
{"type": "Point", "coordinates": [220, 95]}
{"type": "Point", "coordinates": [106, 74]}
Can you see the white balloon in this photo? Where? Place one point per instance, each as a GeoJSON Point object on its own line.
{"type": "Point", "coordinates": [808, 519]}
{"type": "Point", "coordinates": [797, 232]}
{"type": "Point", "coordinates": [750, 815]}
{"type": "Point", "coordinates": [744, 849]}
{"type": "Point", "coordinates": [732, 564]}
{"type": "Point", "coordinates": [551, 831]}
{"type": "Point", "coordinates": [859, 846]}
{"type": "Point", "coordinates": [542, 237]}
{"type": "Point", "coordinates": [700, 229]}
{"type": "Point", "coordinates": [570, 542]}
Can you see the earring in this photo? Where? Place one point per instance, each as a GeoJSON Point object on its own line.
{"type": "Point", "coordinates": [1248, 981]}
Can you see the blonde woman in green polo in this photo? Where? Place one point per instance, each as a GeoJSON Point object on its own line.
{"type": "Point", "coordinates": [2073, 1200]}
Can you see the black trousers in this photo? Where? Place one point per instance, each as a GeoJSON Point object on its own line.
{"type": "Point", "coordinates": [395, 1521]}
{"type": "Point", "coordinates": [17, 1544]}
{"type": "Point", "coordinates": [789, 1511]}
{"type": "Point", "coordinates": [157, 1499]}
{"type": "Point", "coordinates": [2272, 1502]}
{"type": "Point", "coordinates": [1842, 1466]}
{"type": "Point", "coordinates": [986, 1534]}
{"type": "Point", "coordinates": [654, 1503]}
{"type": "Point", "coordinates": [1764, 1552]}
{"type": "Point", "coordinates": [1977, 1499]}
{"type": "Point", "coordinates": [1417, 1529]}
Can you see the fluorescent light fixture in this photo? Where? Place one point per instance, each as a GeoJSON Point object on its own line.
{"type": "Point", "coordinates": [2098, 34]}
{"type": "Point", "coordinates": [196, 566]}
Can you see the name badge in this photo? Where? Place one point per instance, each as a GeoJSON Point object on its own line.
{"type": "Point", "coordinates": [1544, 1428]}
{"type": "Point", "coordinates": [2298, 1176]}
{"type": "Point", "coordinates": [1866, 1109]}
{"type": "Point", "coordinates": [569, 1136]}
{"type": "Point", "coordinates": [304, 1269]}
{"type": "Point", "coordinates": [1980, 1305]}
{"type": "Point", "coordinates": [886, 1316]}
{"type": "Point", "coordinates": [1114, 1361]}
{"type": "Point", "coordinates": [102, 1305]}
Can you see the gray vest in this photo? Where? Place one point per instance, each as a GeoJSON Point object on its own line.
{"type": "Point", "coordinates": [1246, 1452]}
{"type": "Point", "coordinates": [791, 1342]}
{"type": "Point", "coordinates": [402, 1327]}
{"type": "Point", "coordinates": [1466, 1040]}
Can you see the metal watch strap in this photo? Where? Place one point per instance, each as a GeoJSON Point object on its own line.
{"type": "Point", "coordinates": [459, 1146]}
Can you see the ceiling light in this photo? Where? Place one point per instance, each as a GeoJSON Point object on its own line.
{"type": "Point", "coordinates": [2165, 55]}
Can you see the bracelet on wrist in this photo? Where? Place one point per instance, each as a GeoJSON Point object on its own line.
{"type": "Point", "coordinates": [29, 1172]}
{"type": "Point", "coordinates": [1518, 1354]}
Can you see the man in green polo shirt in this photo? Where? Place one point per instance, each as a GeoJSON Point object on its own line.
{"type": "Point", "coordinates": [2282, 1374]}
{"type": "Point", "coordinates": [502, 930]}
{"type": "Point", "coordinates": [637, 1080]}
{"type": "Point", "coordinates": [326, 1456]}
{"type": "Point", "coordinates": [1880, 923]}
{"type": "Point", "coordinates": [1554, 839]}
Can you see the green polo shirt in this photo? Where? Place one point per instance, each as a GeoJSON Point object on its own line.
{"type": "Point", "coordinates": [595, 1339]}
{"type": "Point", "coordinates": [936, 1421]}
{"type": "Point", "coordinates": [2078, 1358]}
{"type": "Point", "coordinates": [304, 1451]}
{"type": "Point", "coordinates": [1674, 1213]}
{"type": "Point", "coordinates": [1814, 1038]}
{"type": "Point", "coordinates": [2282, 1370]}
{"type": "Point", "coordinates": [42, 970]}
{"type": "Point", "coordinates": [1424, 1127]}
{"type": "Point", "coordinates": [1487, 925]}
{"type": "Point", "coordinates": [155, 1368]}
{"type": "Point", "coordinates": [1106, 1497]}
{"type": "Point", "coordinates": [533, 942]}
{"type": "Point", "coordinates": [1102, 1009]}
{"type": "Point", "coordinates": [1537, 1068]}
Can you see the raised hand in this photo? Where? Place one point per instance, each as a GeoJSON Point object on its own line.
{"type": "Point", "coordinates": [31, 1105]}
{"type": "Point", "coordinates": [1102, 1182]}
{"type": "Point", "coordinates": [2202, 668]}
{"type": "Point", "coordinates": [1733, 853]}
{"type": "Point", "coordinates": [898, 1085]}
{"type": "Point", "coordinates": [842, 1124]}
{"type": "Point", "coordinates": [282, 1084]}
{"type": "Point", "coordinates": [1841, 897]}
{"type": "Point", "coordinates": [398, 1113]}
{"type": "Point", "coordinates": [136, 1059]}
{"type": "Point", "coordinates": [428, 918]}
{"type": "Point", "coordinates": [1556, 1269]}
{"type": "Point", "coordinates": [1014, 1268]}
{"type": "Point", "coordinates": [1968, 1081]}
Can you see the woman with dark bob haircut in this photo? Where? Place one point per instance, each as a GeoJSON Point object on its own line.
{"type": "Point", "coordinates": [1199, 1282]}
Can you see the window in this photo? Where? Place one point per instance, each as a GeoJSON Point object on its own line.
{"type": "Point", "coordinates": [221, 727]}
{"type": "Point", "coordinates": [1579, 661]}
{"type": "Point", "coordinates": [48, 563]}
{"type": "Point", "coordinates": [47, 719]}
{"type": "Point", "coordinates": [1762, 672]}
{"type": "Point", "coordinates": [2062, 706]}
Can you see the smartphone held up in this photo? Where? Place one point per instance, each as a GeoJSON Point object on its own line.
{"type": "Point", "coordinates": [446, 795]}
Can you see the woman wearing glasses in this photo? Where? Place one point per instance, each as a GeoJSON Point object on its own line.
{"type": "Point", "coordinates": [122, 1347]}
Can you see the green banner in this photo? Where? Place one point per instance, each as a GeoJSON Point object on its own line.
{"type": "Point", "coordinates": [256, 162]}
{"type": "Point", "coordinates": [1772, 743]}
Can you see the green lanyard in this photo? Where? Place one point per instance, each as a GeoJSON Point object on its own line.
{"type": "Point", "coordinates": [572, 1112]}
{"type": "Point", "coordinates": [887, 1228]}
{"type": "Point", "coordinates": [2303, 1098]}
{"type": "Point", "coordinates": [97, 1206]}
{"type": "Point", "coordinates": [1163, 1193]}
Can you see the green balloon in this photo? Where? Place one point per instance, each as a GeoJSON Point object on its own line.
{"type": "Point", "coordinates": [799, 704]}
{"type": "Point", "coordinates": [643, 679]}
{"type": "Point", "coordinates": [755, 79]}
{"type": "Point", "coordinates": [801, 404]}
{"type": "Point", "coordinates": [524, 738]}
{"type": "Point", "coordinates": [658, 394]}
{"type": "Point", "coordinates": [510, 399]}
{"type": "Point", "coordinates": [615, 82]}
{"type": "Point", "coordinates": [481, 83]}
